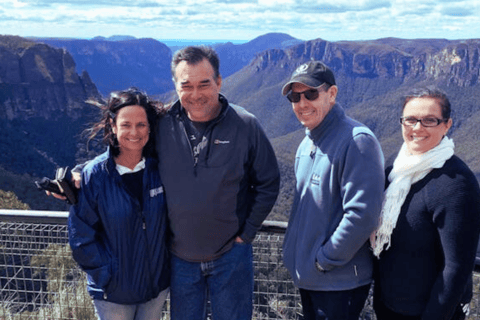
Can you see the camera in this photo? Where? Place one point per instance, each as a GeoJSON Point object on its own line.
{"type": "Point", "coordinates": [62, 185]}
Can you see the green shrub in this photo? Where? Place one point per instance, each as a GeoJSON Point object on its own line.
{"type": "Point", "coordinates": [8, 200]}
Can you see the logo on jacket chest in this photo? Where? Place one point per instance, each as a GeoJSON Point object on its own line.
{"type": "Point", "coordinates": [218, 141]}
{"type": "Point", "coordinates": [316, 179]}
{"type": "Point", "coordinates": [155, 192]}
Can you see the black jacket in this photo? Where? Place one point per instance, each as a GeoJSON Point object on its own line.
{"type": "Point", "coordinates": [227, 191]}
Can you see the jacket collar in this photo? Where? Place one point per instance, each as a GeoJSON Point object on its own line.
{"type": "Point", "coordinates": [111, 166]}
{"type": "Point", "coordinates": [333, 117]}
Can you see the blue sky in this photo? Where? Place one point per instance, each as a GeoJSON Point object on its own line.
{"type": "Point", "coordinates": [331, 20]}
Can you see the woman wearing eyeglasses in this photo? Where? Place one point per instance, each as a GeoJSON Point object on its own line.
{"type": "Point", "coordinates": [430, 220]}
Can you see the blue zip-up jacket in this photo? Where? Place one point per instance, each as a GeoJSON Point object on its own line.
{"type": "Point", "coordinates": [121, 247]}
{"type": "Point", "coordinates": [225, 192]}
{"type": "Point", "coordinates": [338, 198]}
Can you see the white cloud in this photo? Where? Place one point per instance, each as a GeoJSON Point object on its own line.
{"type": "Point", "coordinates": [242, 19]}
{"type": "Point", "coordinates": [275, 3]}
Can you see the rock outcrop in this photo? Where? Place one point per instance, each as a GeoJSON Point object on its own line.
{"type": "Point", "coordinates": [39, 81]}
{"type": "Point", "coordinates": [42, 106]}
{"type": "Point", "coordinates": [457, 62]}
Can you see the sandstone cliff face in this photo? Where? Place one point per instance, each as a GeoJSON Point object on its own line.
{"type": "Point", "coordinates": [37, 80]}
{"type": "Point", "coordinates": [371, 75]}
{"type": "Point", "coordinates": [462, 64]}
{"type": "Point", "coordinates": [457, 63]}
{"type": "Point", "coordinates": [42, 107]}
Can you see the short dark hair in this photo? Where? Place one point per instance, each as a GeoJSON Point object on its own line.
{"type": "Point", "coordinates": [195, 54]}
{"type": "Point", "coordinates": [434, 93]}
{"type": "Point", "coordinates": [110, 108]}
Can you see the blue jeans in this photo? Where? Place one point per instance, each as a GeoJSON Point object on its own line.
{"type": "Point", "coordinates": [333, 305]}
{"type": "Point", "coordinates": [150, 310]}
{"type": "Point", "coordinates": [227, 281]}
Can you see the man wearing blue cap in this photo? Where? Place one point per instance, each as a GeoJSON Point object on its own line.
{"type": "Point", "coordinates": [338, 196]}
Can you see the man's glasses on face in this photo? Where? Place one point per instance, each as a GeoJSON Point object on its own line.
{"type": "Point", "coordinates": [310, 95]}
{"type": "Point", "coordinates": [425, 122]}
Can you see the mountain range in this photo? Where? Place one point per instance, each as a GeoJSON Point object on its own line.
{"type": "Point", "coordinates": [119, 62]}
{"type": "Point", "coordinates": [372, 76]}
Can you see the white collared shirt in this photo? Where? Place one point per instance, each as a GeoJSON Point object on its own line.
{"type": "Point", "coordinates": [123, 170]}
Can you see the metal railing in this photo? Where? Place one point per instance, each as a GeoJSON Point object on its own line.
{"type": "Point", "coordinates": [40, 280]}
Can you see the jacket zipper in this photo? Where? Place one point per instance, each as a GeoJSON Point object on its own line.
{"type": "Point", "coordinates": [144, 227]}
{"type": "Point", "coordinates": [147, 247]}
{"type": "Point", "coordinates": [209, 130]}
{"type": "Point", "coordinates": [147, 256]}
{"type": "Point", "coordinates": [195, 160]}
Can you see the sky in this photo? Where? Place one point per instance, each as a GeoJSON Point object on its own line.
{"type": "Point", "coordinates": [242, 20]}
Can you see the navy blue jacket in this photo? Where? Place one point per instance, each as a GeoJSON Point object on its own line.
{"type": "Point", "coordinates": [427, 271]}
{"type": "Point", "coordinates": [120, 246]}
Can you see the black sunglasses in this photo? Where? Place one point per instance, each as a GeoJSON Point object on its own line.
{"type": "Point", "coordinates": [310, 95]}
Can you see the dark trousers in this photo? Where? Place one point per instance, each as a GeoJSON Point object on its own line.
{"type": "Point", "coordinates": [333, 305]}
{"type": "Point", "coordinates": [384, 313]}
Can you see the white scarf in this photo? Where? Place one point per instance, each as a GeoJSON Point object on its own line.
{"type": "Point", "coordinates": [407, 169]}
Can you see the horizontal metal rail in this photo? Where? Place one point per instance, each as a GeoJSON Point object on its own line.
{"type": "Point", "coordinates": [60, 217]}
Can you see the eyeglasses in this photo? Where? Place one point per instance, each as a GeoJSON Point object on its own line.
{"type": "Point", "coordinates": [426, 122]}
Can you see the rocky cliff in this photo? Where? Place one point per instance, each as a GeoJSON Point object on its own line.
{"type": "Point", "coordinates": [42, 106]}
{"type": "Point", "coordinates": [364, 70]}
{"type": "Point", "coordinates": [457, 62]}
{"type": "Point", "coordinates": [37, 80]}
